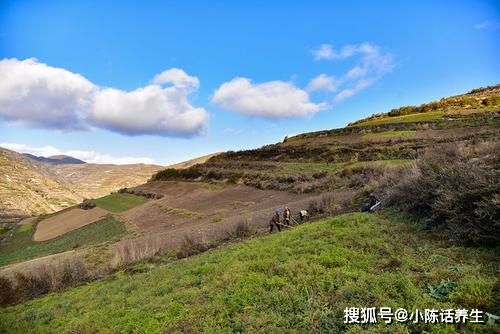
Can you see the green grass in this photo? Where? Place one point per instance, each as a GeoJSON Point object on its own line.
{"type": "Point", "coordinates": [390, 134]}
{"type": "Point", "coordinates": [390, 163]}
{"type": "Point", "coordinates": [181, 212]}
{"type": "Point", "coordinates": [298, 281]}
{"type": "Point", "coordinates": [307, 168]}
{"type": "Point", "coordinates": [427, 116]}
{"type": "Point", "coordinates": [119, 202]}
{"type": "Point", "coordinates": [19, 244]}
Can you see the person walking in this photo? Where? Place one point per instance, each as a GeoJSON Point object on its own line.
{"type": "Point", "coordinates": [275, 221]}
{"type": "Point", "coordinates": [286, 216]}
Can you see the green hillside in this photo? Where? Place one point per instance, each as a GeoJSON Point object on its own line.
{"type": "Point", "coordinates": [298, 281]}
{"type": "Point", "coordinates": [315, 161]}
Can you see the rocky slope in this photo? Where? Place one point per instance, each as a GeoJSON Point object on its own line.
{"type": "Point", "coordinates": [33, 186]}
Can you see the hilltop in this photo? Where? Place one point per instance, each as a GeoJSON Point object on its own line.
{"type": "Point", "coordinates": [56, 159]}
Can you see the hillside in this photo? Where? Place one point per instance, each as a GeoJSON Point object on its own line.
{"type": "Point", "coordinates": [331, 159]}
{"type": "Point", "coordinates": [433, 243]}
{"type": "Point", "coordinates": [32, 185]}
{"type": "Point", "coordinates": [27, 187]}
{"type": "Point", "coordinates": [299, 281]}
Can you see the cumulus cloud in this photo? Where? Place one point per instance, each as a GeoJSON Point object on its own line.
{"type": "Point", "coordinates": [149, 110]}
{"type": "Point", "coordinates": [271, 100]}
{"type": "Point", "coordinates": [370, 66]}
{"type": "Point", "coordinates": [37, 95]}
{"type": "Point", "coordinates": [34, 94]}
{"type": "Point", "coordinates": [87, 156]}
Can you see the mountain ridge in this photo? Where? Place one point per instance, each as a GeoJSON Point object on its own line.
{"type": "Point", "coordinates": [56, 159]}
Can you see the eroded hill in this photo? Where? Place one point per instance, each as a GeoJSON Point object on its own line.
{"type": "Point", "coordinates": [32, 187]}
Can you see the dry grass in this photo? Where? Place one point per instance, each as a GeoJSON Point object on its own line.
{"type": "Point", "coordinates": [134, 250]}
{"type": "Point", "coordinates": [41, 280]}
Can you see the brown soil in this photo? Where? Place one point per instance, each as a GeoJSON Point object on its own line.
{"type": "Point", "coordinates": [66, 221]}
{"type": "Point", "coordinates": [204, 213]}
{"type": "Point", "coordinates": [207, 213]}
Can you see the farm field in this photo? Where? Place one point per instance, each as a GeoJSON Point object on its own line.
{"type": "Point", "coordinates": [66, 221]}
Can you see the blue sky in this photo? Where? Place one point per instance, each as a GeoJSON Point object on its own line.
{"type": "Point", "coordinates": [166, 81]}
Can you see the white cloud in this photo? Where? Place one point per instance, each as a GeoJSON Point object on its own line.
{"type": "Point", "coordinates": [45, 151]}
{"type": "Point", "coordinates": [178, 78]}
{"type": "Point", "coordinates": [493, 25]}
{"type": "Point", "coordinates": [371, 65]}
{"type": "Point", "coordinates": [34, 94]}
{"type": "Point", "coordinates": [87, 156]}
{"type": "Point", "coordinates": [274, 99]}
{"type": "Point", "coordinates": [322, 82]}
{"type": "Point", "coordinates": [326, 51]}
{"type": "Point", "coordinates": [149, 110]}
{"type": "Point", "coordinates": [37, 95]}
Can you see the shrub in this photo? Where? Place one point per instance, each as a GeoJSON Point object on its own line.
{"type": "Point", "coordinates": [42, 280]}
{"type": "Point", "coordinates": [87, 204]}
{"type": "Point", "coordinates": [166, 175]}
{"type": "Point", "coordinates": [189, 247]}
{"type": "Point", "coordinates": [7, 292]}
{"type": "Point", "coordinates": [134, 250]}
{"type": "Point", "coordinates": [243, 229]}
{"type": "Point", "coordinates": [454, 189]}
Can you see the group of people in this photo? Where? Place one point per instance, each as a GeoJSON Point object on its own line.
{"type": "Point", "coordinates": [277, 222]}
{"type": "Point", "coordinates": [287, 217]}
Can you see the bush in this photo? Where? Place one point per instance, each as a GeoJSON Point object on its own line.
{"type": "Point", "coordinates": [454, 189]}
{"type": "Point", "coordinates": [190, 247]}
{"type": "Point", "coordinates": [7, 292]}
{"type": "Point", "coordinates": [87, 204]}
{"type": "Point", "coordinates": [172, 174]}
{"type": "Point", "coordinates": [41, 281]}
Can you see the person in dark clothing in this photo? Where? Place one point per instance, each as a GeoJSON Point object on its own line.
{"type": "Point", "coordinates": [275, 221]}
{"type": "Point", "coordinates": [369, 207]}
{"type": "Point", "coordinates": [373, 200]}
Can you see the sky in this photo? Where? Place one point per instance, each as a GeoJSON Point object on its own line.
{"type": "Point", "coordinates": [161, 82]}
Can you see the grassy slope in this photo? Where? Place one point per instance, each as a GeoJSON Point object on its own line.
{"type": "Point", "coordinates": [119, 202]}
{"type": "Point", "coordinates": [296, 281]}
{"type": "Point", "coordinates": [19, 245]}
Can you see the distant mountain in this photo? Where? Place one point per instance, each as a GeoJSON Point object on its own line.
{"type": "Point", "coordinates": [56, 159]}
{"type": "Point", "coordinates": [31, 185]}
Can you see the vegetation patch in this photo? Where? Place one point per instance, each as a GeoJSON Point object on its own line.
{"type": "Point", "coordinates": [454, 190]}
{"type": "Point", "coordinates": [119, 202]}
{"type": "Point", "coordinates": [181, 212]}
{"type": "Point", "coordinates": [239, 203]}
{"type": "Point", "coordinates": [20, 245]}
{"type": "Point", "coordinates": [390, 134]}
